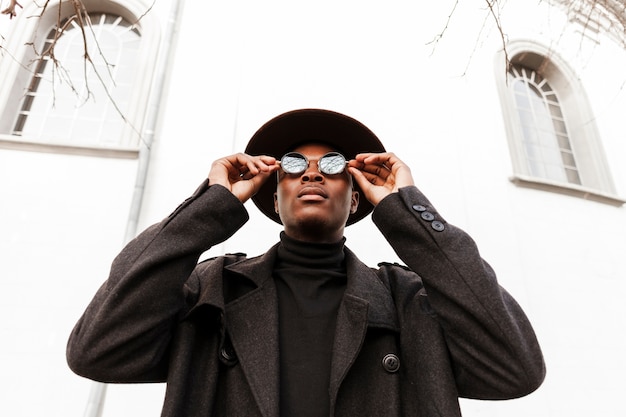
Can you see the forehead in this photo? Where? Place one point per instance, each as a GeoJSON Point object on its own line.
{"type": "Point", "coordinates": [314, 149]}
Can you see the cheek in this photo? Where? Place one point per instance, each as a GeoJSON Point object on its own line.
{"type": "Point", "coordinates": [346, 197]}
{"type": "Point", "coordinates": [281, 197]}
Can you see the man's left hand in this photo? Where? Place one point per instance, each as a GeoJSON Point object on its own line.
{"type": "Point", "coordinates": [379, 174]}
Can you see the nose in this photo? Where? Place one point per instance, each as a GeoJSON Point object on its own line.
{"type": "Point", "coordinates": [312, 174]}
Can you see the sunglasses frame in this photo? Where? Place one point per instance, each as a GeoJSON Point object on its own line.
{"type": "Point", "coordinates": [319, 166]}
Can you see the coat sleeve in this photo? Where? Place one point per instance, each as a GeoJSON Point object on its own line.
{"type": "Point", "coordinates": [493, 349]}
{"type": "Point", "coordinates": [125, 331]}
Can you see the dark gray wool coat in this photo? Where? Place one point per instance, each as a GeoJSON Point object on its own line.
{"type": "Point", "coordinates": [210, 329]}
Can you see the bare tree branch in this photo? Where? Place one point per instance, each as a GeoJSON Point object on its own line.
{"type": "Point", "coordinates": [10, 10]}
{"type": "Point", "coordinates": [439, 36]}
{"type": "Point", "coordinates": [496, 18]}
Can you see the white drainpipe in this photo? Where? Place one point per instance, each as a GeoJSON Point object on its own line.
{"type": "Point", "coordinates": [97, 395]}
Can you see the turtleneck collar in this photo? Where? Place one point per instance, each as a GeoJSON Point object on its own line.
{"type": "Point", "coordinates": [312, 274]}
{"type": "Point", "coordinates": [311, 255]}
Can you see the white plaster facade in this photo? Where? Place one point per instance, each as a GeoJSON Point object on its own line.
{"type": "Point", "coordinates": [233, 65]}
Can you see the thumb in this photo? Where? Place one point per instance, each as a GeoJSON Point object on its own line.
{"type": "Point", "coordinates": [360, 179]}
{"type": "Point", "coordinates": [247, 188]}
{"type": "Point", "coordinates": [362, 182]}
{"type": "Point", "coordinates": [373, 193]}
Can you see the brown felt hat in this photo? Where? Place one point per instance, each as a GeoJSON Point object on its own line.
{"type": "Point", "coordinates": [287, 131]}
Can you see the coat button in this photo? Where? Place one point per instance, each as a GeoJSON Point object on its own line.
{"type": "Point", "coordinates": [419, 207]}
{"type": "Point", "coordinates": [438, 226]}
{"type": "Point", "coordinates": [391, 363]}
{"type": "Point", "coordinates": [428, 216]}
{"type": "Point", "coordinates": [228, 355]}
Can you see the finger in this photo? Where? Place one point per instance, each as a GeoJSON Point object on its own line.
{"type": "Point", "coordinates": [249, 166]}
{"type": "Point", "coordinates": [387, 159]}
{"type": "Point", "coordinates": [262, 163]}
{"type": "Point", "coordinates": [372, 191]}
{"type": "Point", "coordinates": [370, 157]}
{"type": "Point", "coordinates": [366, 179]}
{"type": "Point", "coordinates": [381, 171]}
{"type": "Point", "coordinates": [379, 160]}
{"type": "Point", "coordinates": [360, 178]}
{"type": "Point", "coordinates": [268, 160]}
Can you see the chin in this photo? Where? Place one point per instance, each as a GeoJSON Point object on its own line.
{"type": "Point", "coordinates": [309, 222]}
{"type": "Point", "coordinates": [319, 223]}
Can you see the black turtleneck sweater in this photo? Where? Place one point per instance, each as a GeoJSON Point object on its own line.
{"type": "Point", "coordinates": [310, 281]}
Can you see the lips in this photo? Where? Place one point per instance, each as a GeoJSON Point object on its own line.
{"type": "Point", "coordinates": [312, 191]}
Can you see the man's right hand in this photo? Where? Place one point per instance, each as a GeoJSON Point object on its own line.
{"type": "Point", "coordinates": [242, 174]}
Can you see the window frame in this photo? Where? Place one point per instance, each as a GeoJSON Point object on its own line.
{"type": "Point", "coordinates": [596, 181]}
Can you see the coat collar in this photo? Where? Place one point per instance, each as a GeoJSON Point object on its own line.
{"type": "Point", "coordinates": [257, 269]}
{"type": "Point", "coordinates": [363, 284]}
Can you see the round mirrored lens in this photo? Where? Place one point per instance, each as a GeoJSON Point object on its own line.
{"type": "Point", "coordinates": [332, 163]}
{"type": "Point", "coordinates": [293, 163]}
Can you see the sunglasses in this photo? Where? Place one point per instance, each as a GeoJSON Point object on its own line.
{"type": "Point", "coordinates": [330, 164]}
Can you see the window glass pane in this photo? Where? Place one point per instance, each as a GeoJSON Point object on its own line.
{"type": "Point", "coordinates": [555, 173]}
{"type": "Point", "coordinates": [563, 142]}
{"type": "Point", "coordinates": [560, 129]}
{"type": "Point", "coordinates": [537, 94]}
{"type": "Point", "coordinates": [573, 176]}
{"type": "Point", "coordinates": [527, 119]}
{"type": "Point", "coordinates": [555, 110]}
{"type": "Point", "coordinates": [533, 153]}
{"type": "Point", "coordinates": [544, 124]}
{"type": "Point", "coordinates": [568, 159]}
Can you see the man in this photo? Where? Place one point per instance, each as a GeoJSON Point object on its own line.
{"type": "Point", "coordinates": [307, 329]}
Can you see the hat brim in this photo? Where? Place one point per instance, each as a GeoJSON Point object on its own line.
{"type": "Point", "coordinates": [286, 131]}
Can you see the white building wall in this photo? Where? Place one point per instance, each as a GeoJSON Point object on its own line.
{"type": "Point", "coordinates": [435, 105]}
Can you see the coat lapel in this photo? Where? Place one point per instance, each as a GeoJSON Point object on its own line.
{"type": "Point", "coordinates": [366, 303]}
{"type": "Point", "coordinates": [252, 322]}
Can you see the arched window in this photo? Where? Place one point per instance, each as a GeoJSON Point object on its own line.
{"type": "Point", "coordinates": [553, 139]}
{"type": "Point", "coordinates": [547, 149]}
{"type": "Point", "coordinates": [80, 96]}
{"type": "Point", "coordinates": [72, 87]}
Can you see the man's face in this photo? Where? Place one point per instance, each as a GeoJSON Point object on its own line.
{"type": "Point", "coordinates": [314, 206]}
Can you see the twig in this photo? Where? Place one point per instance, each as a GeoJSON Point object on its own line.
{"type": "Point", "coordinates": [438, 37]}
{"type": "Point", "coordinates": [11, 9]}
